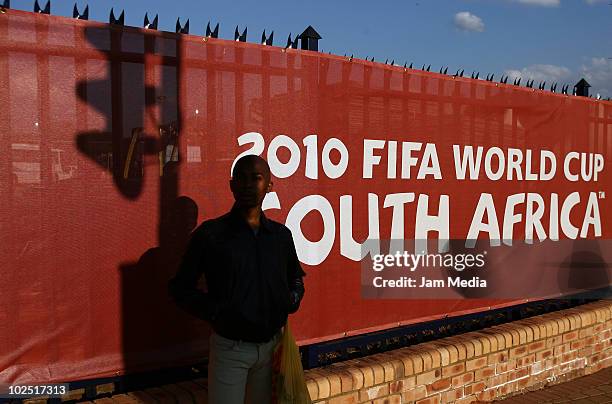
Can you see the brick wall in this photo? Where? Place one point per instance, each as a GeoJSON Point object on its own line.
{"type": "Point", "coordinates": [483, 365]}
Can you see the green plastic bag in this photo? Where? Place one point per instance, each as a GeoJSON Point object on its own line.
{"type": "Point", "coordinates": [288, 384]}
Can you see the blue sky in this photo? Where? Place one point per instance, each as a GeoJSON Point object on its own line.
{"type": "Point", "coordinates": [552, 40]}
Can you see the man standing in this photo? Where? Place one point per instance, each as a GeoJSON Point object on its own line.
{"type": "Point", "coordinates": [254, 281]}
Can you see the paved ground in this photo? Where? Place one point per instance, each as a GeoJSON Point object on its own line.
{"type": "Point", "coordinates": [595, 388]}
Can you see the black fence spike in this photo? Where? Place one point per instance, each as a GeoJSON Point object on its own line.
{"type": "Point", "coordinates": [461, 74]}
{"type": "Point", "coordinates": [288, 41]}
{"type": "Point", "coordinates": [46, 10]}
{"type": "Point", "coordinates": [184, 29]}
{"type": "Point", "coordinates": [269, 40]}
{"type": "Point", "coordinates": [6, 4]}
{"type": "Point", "coordinates": [410, 67]}
{"type": "Point", "coordinates": [428, 67]}
{"type": "Point", "coordinates": [214, 33]}
{"type": "Point", "coordinates": [371, 60]}
{"type": "Point", "coordinates": [386, 60]}
{"type": "Point", "coordinates": [542, 85]}
{"type": "Point", "coordinates": [150, 24]}
{"type": "Point", "coordinates": [263, 37]}
{"type": "Point", "coordinates": [446, 70]}
{"type": "Point", "coordinates": [441, 69]}
{"type": "Point", "coordinates": [78, 16]}
{"type": "Point", "coordinates": [553, 87]}
{"type": "Point", "coordinates": [423, 68]}
{"type": "Point", "coordinates": [392, 62]}
{"type": "Point", "coordinates": [240, 37]}
{"type": "Point", "coordinates": [116, 21]}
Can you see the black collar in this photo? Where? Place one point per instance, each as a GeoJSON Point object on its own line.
{"type": "Point", "coordinates": [264, 222]}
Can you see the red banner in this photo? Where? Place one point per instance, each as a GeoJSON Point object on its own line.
{"type": "Point", "coordinates": [119, 141]}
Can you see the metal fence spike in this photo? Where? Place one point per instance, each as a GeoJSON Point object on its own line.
{"type": "Point", "coordinates": [238, 37]}
{"type": "Point", "coordinates": [184, 29]}
{"type": "Point", "coordinates": [148, 24]}
{"type": "Point", "coordinates": [410, 67]}
{"type": "Point", "coordinates": [78, 16]}
{"type": "Point", "coordinates": [428, 67]}
{"type": "Point", "coordinates": [46, 10]}
{"type": "Point", "coordinates": [263, 37]}
{"type": "Point", "coordinates": [214, 33]}
{"type": "Point", "coordinates": [116, 21]}
{"type": "Point", "coordinates": [288, 41]}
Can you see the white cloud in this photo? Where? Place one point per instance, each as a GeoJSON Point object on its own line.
{"type": "Point", "coordinates": [467, 21]}
{"type": "Point", "coordinates": [538, 73]}
{"type": "Point", "coordinates": [543, 3]}
{"type": "Point", "coordinates": [599, 75]}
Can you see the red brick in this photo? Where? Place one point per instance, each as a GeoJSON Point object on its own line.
{"type": "Point", "coordinates": [428, 377]}
{"type": "Point", "coordinates": [518, 351]}
{"type": "Point", "coordinates": [430, 400]}
{"type": "Point", "coordinates": [484, 373]}
{"type": "Point", "coordinates": [394, 399]}
{"type": "Point", "coordinates": [536, 346]}
{"type": "Point", "coordinates": [475, 363]}
{"type": "Point", "coordinates": [474, 388]}
{"type": "Point", "coordinates": [453, 370]}
{"type": "Point", "coordinates": [525, 360]}
{"type": "Point", "coordinates": [462, 380]}
{"type": "Point", "coordinates": [497, 357]}
{"type": "Point", "coordinates": [350, 398]}
{"type": "Point", "coordinates": [486, 395]}
{"type": "Point", "coordinates": [438, 385]}
{"type": "Point", "coordinates": [414, 394]}
{"type": "Point", "coordinates": [570, 336]}
{"type": "Point", "coordinates": [452, 395]}
{"type": "Point", "coordinates": [497, 380]}
{"type": "Point", "coordinates": [372, 393]}
{"type": "Point", "coordinates": [544, 354]}
{"type": "Point", "coordinates": [517, 374]}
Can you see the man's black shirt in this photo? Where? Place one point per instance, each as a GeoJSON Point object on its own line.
{"type": "Point", "coordinates": [254, 279]}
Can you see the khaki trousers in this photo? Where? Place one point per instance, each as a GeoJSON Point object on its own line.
{"type": "Point", "coordinates": [240, 372]}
